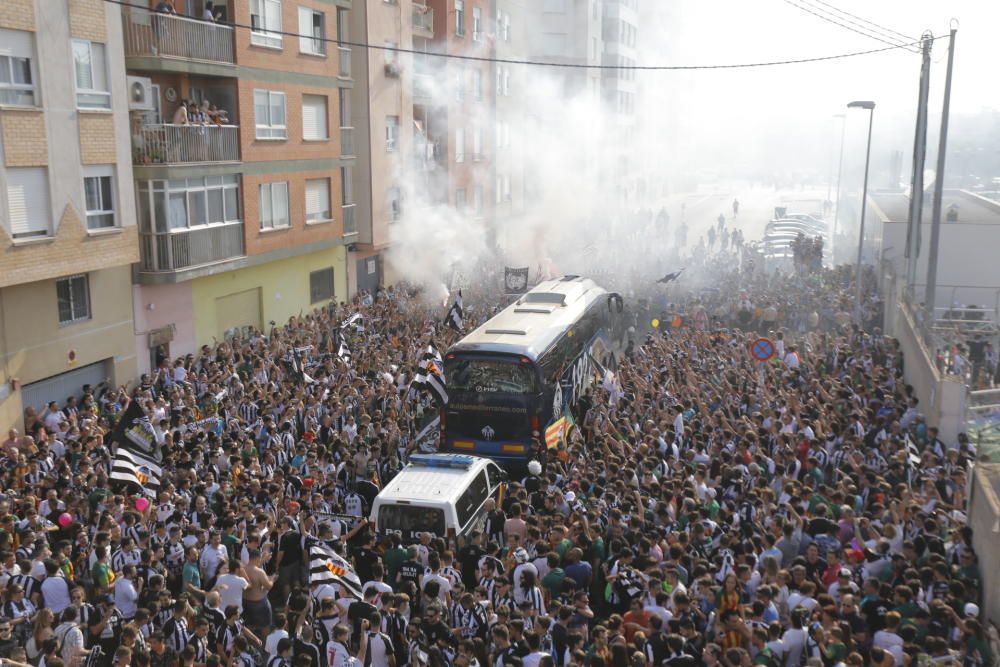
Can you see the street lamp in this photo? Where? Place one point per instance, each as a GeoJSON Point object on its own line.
{"type": "Point", "coordinates": [870, 106]}
{"type": "Point", "coordinates": [840, 171]}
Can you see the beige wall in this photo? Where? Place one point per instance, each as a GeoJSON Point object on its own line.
{"type": "Point", "coordinates": [35, 346]}
{"type": "Point", "coordinates": [984, 518]}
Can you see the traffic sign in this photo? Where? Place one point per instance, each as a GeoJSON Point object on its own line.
{"type": "Point", "coordinates": [762, 349]}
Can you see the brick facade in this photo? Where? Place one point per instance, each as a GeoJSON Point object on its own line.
{"type": "Point", "coordinates": [294, 147]}
{"type": "Point", "coordinates": [24, 139]}
{"type": "Point", "coordinates": [17, 14]}
{"type": "Point", "coordinates": [86, 20]}
{"type": "Point", "coordinates": [298, 232]}
{"type": "Point", "coordinates": [71, 250]}
{"type": "Point", "coordinates": [97, 138]}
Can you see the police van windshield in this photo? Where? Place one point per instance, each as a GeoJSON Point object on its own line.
{"type": "Point", "coordinates": [410, 519]}
{"type": "Point", "coordinates": [497, 375]}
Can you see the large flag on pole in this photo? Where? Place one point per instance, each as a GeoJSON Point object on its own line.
{"type": "Point", "coordinates": [135, 430]}
{"type": "Point", "coordinates": [430, 374]}
{"type": "Point", "coordinates": [455, 314]}
{"type": "Point", "coordinates": [132, 466]}
{"type": "Point", "coordinates": [327, 567]}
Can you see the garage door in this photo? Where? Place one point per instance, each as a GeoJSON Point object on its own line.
{"type": "Point", "coordinates": [60, 387]}
{"type": "Point", "coordinates": [236, 312]}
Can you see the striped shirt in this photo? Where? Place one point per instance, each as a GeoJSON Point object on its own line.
{"type": "Point", "coordinates": [176, 633]}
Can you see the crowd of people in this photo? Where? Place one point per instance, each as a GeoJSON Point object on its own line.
{"type": "Point", "coordinates": [710, 510]}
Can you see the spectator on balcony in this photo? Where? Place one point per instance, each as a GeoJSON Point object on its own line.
{"type": "Point", "coordinates": [207, 14]}
{"type": "Point", "coordinates": [165, 7]}
{"type": "Point", "coordinates": [181, 115]}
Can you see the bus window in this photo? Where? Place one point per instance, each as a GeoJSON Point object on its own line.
{"type": "Point", "coordinates": [490, 376]}
{"type": "Point", "coordinates": [407, 520]}
{"type": "Point", "coordinates": [472, 499]}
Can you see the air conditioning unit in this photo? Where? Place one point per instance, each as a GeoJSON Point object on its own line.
{"type": "Point", "coordinates": [392, 70]}
{"type": "Point", "coordinates": [140, 93]}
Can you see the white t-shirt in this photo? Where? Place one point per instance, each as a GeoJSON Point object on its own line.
{"type": "Point", "coordinates": [271, 643]}
{"type": "Point", "coordinates": [231, 587]}
{"type": "Point", "coordinates": [126, 597]}
{"type": "Point", "coordinates": [55, 594]}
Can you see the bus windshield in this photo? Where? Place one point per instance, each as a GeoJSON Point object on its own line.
{"type": "Point", "coordinates": [490, 375]}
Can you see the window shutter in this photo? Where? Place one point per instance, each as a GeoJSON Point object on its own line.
{"type": "Point", "coordinates": [272, 12]}
{"type": "Point", "coordinates": [281, 204]}
{"type": "Point", "coordinates": [28, 202]}
{"type": "Point", "coordinates": [314, 117]}
{"type": "Point", "coordinates": [318, 199]}
{"type": "Point", "coordinates": [305, 29]}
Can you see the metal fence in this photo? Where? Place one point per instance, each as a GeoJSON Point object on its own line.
{"type": "Point", "coordinates": [181, 249]}
{"type": "Point", "coordinates": [350, 226]}
{"type": "Point", "coordinates": [345, 61]}
{"type": "Point", "coordinates": [423, 18]}
{"type": "Point", "coordinates": [184, 144]}
{"type": "Point", "coordinates": [346, 141]}
{"type": "Point", "coordinates": [170, 36]}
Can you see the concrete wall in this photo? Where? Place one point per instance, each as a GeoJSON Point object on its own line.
{"type": "Point", "coordinates": [172, 306]}
{"type": "Point", "coordinates": [984, 518]}
{"type": "Point", "coordinates": [942, 398]}
{"type": "Point", "coordinates": [283, 284]}
{"type": "Point", "coordinates": [35, 346]}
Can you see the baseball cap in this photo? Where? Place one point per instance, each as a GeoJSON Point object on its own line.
{"type": "Point", "coordinates": [972, 609]}
{"type": "Point", "coordinates": [107, 598]}
{"type": "Point", "coordinates": [844, 572]}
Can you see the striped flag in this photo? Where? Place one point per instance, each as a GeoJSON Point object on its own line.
{"type": "Point", "coordinates": [430, 374]}
{"type": "Point", "coordinates": [327, 567]}
{"type": "Point", "coordinates": [134, 467]}
{"type": "Point", "coordinates": [455, 314]}
{"type": "Point", "coordinates": [556, 432]}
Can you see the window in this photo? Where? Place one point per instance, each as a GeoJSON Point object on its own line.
{"type": "Point", "coordinates": [477, 24]}
{"type": "Point", "coordinates": [460, 84]}
{"type": "Point", "coordinates": [391, 54]}
{"type": "Point", "coordinates": [474, 497]}
{"type": "Point", "coordinates": [506, 82]}
{"type": "Point", "coordinates": [477, 143]}
{"type": "Point", "coordinates": [460, 144]}
{"type": "Point", "coordinates": [274, 205]}
{"type": "Point", "coordinates": [477, 85]}
{"type": "Point", "coordinates": [477, 199]}
{"type": "Point", "coordinates": [460, 199]}
{"type": "Point", "coordinates": [269, 109]}
{"type": "Point", "coordinates": [459, 17]}
{"type": "Point", "coordinates": [314, 118]}
{"type": "Point", "coordinates": [345, 106]}
{"type": "Point", "coordinates": [506, 27]}
{"type": "Point", "coordinates": [28, 202]}
{"type": "Point", "coordinates": [164, 206]}
{"type": "Point", "coordinates": [499, 80]}
{"type": "Point", "coordinates": [321, 285]}
{"type": "Point", "coordinates": [17, 68]}
{"type": "Point", "coordinates": [391, 133]}
{"type": "Point", "coordinates": [73, 297]}
{"type": "Point", "coordinates": [395, 203]}
{"type": "Point", "coordinates": [506, 187]}
{"type": "Point", "coordinates": [347, 185]}
{"type": "Point", "coordinates": [318, 200]}
{"type": "Point", "coordinates": [312, 32]}
{"type": "Point", "coordinates": [91, 69]}
{"type": "Point", "coordinates": [265, 23]}
{"type": "Point", "coordinates": [99, 194]}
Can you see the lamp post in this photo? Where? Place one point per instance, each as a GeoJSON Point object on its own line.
{"type": "Point", "coordinates": [870, 106]}
{"type": "Point", "coordinates": [840, 171]}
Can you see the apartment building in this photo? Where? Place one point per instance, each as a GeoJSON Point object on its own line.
{"type": "Point", "coordinates": [243, 219]}
{"type": "Point", "coordinates": [619, 91]}
{"type": "Point", "coordinates": [67, 212]}
{"type": "Point", "coordinates": [509, 36]}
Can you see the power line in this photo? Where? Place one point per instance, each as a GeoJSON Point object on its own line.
{"type": "Point", "coordinates": [882, 27]}
{"type": "Point", "coordinates": [828, 19]}
{"type": "Point", "coordinates": [877, 31]}
{"type": "Point", "coordinates": [540, 63]}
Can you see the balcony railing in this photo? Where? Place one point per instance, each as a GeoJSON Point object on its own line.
{"type": "Point", "coordinates": [345, 62]}
{"type": "Point", "coordinates": [423, 20]}
{"type": "Point", "coordinates": [186, 144]}
{"type": "Point", "coordinates": [169, 36]}
{"type": "Point", "coordinates": [186, 248]}
{"type": "Point", "coordinates": [346, 141]}
{"type": "Point", "coordinates": [350, 226]}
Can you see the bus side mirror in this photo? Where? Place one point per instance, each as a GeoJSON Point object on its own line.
{"type": "Point", "coordinates": [615, 303]}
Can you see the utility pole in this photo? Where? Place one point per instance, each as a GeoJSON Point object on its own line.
{"type": "Point", "coordinates": [932, 257]}
{"type": "Point", "coordinates": [919, 158]}
{"type": "Point", "coordinates": [840, 172]}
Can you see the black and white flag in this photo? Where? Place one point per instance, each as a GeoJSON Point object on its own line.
{"type": "Point", "coordinates": [134, 467]}
{"type": "Point", "coordinates": [670, 277]}
{"type": "Point", "coordinates": [430, 374]}
{"type": "Point", "coordinates": [297, 367]}
{"type": "Point", "coordinates": [515, 281]}
{"type": "Point", "coordinates": [327, 567]}
{"type": "Point", "coordinates": [344, 352]}
{"type": "Point", "coordinates": [455, 314]}
{"type": "Point", "coordinates": [429, 435]}
{"type": "Point", "coordinates": [135, 430]}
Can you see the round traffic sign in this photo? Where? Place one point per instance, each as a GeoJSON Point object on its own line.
{"type": "Point", "coordinates": [762, 349]}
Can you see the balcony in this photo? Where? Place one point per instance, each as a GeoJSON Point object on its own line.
{"type": "Point", "coordinates": [344, 57]}
{"type": "Point", "coordinates": [150, 34]}
{"type": "Point", "coordinates": [185, 144]}
{"type": "Point", "coordinates": [186, 248]}
{"type": "Point", "coordinates": [423, 21]}
{"type": "Point", "coordinates": [347, 142]}
{"type": "Point", "coordinates": [350, 225]}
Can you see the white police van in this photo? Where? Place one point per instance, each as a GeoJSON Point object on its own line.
{"type": "Point", "coordinates": [441, 494]}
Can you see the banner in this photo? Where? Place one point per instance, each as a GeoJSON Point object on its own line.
{"type": "Point", "coordinates": [134, 429]}
{"type": "Point", "coordinates": [515, 281]}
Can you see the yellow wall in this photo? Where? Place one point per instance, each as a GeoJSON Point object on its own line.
{"type": "Point", "coordinates": [284, 288]}
{"type": "Point", "coordinates": [33, 346]}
